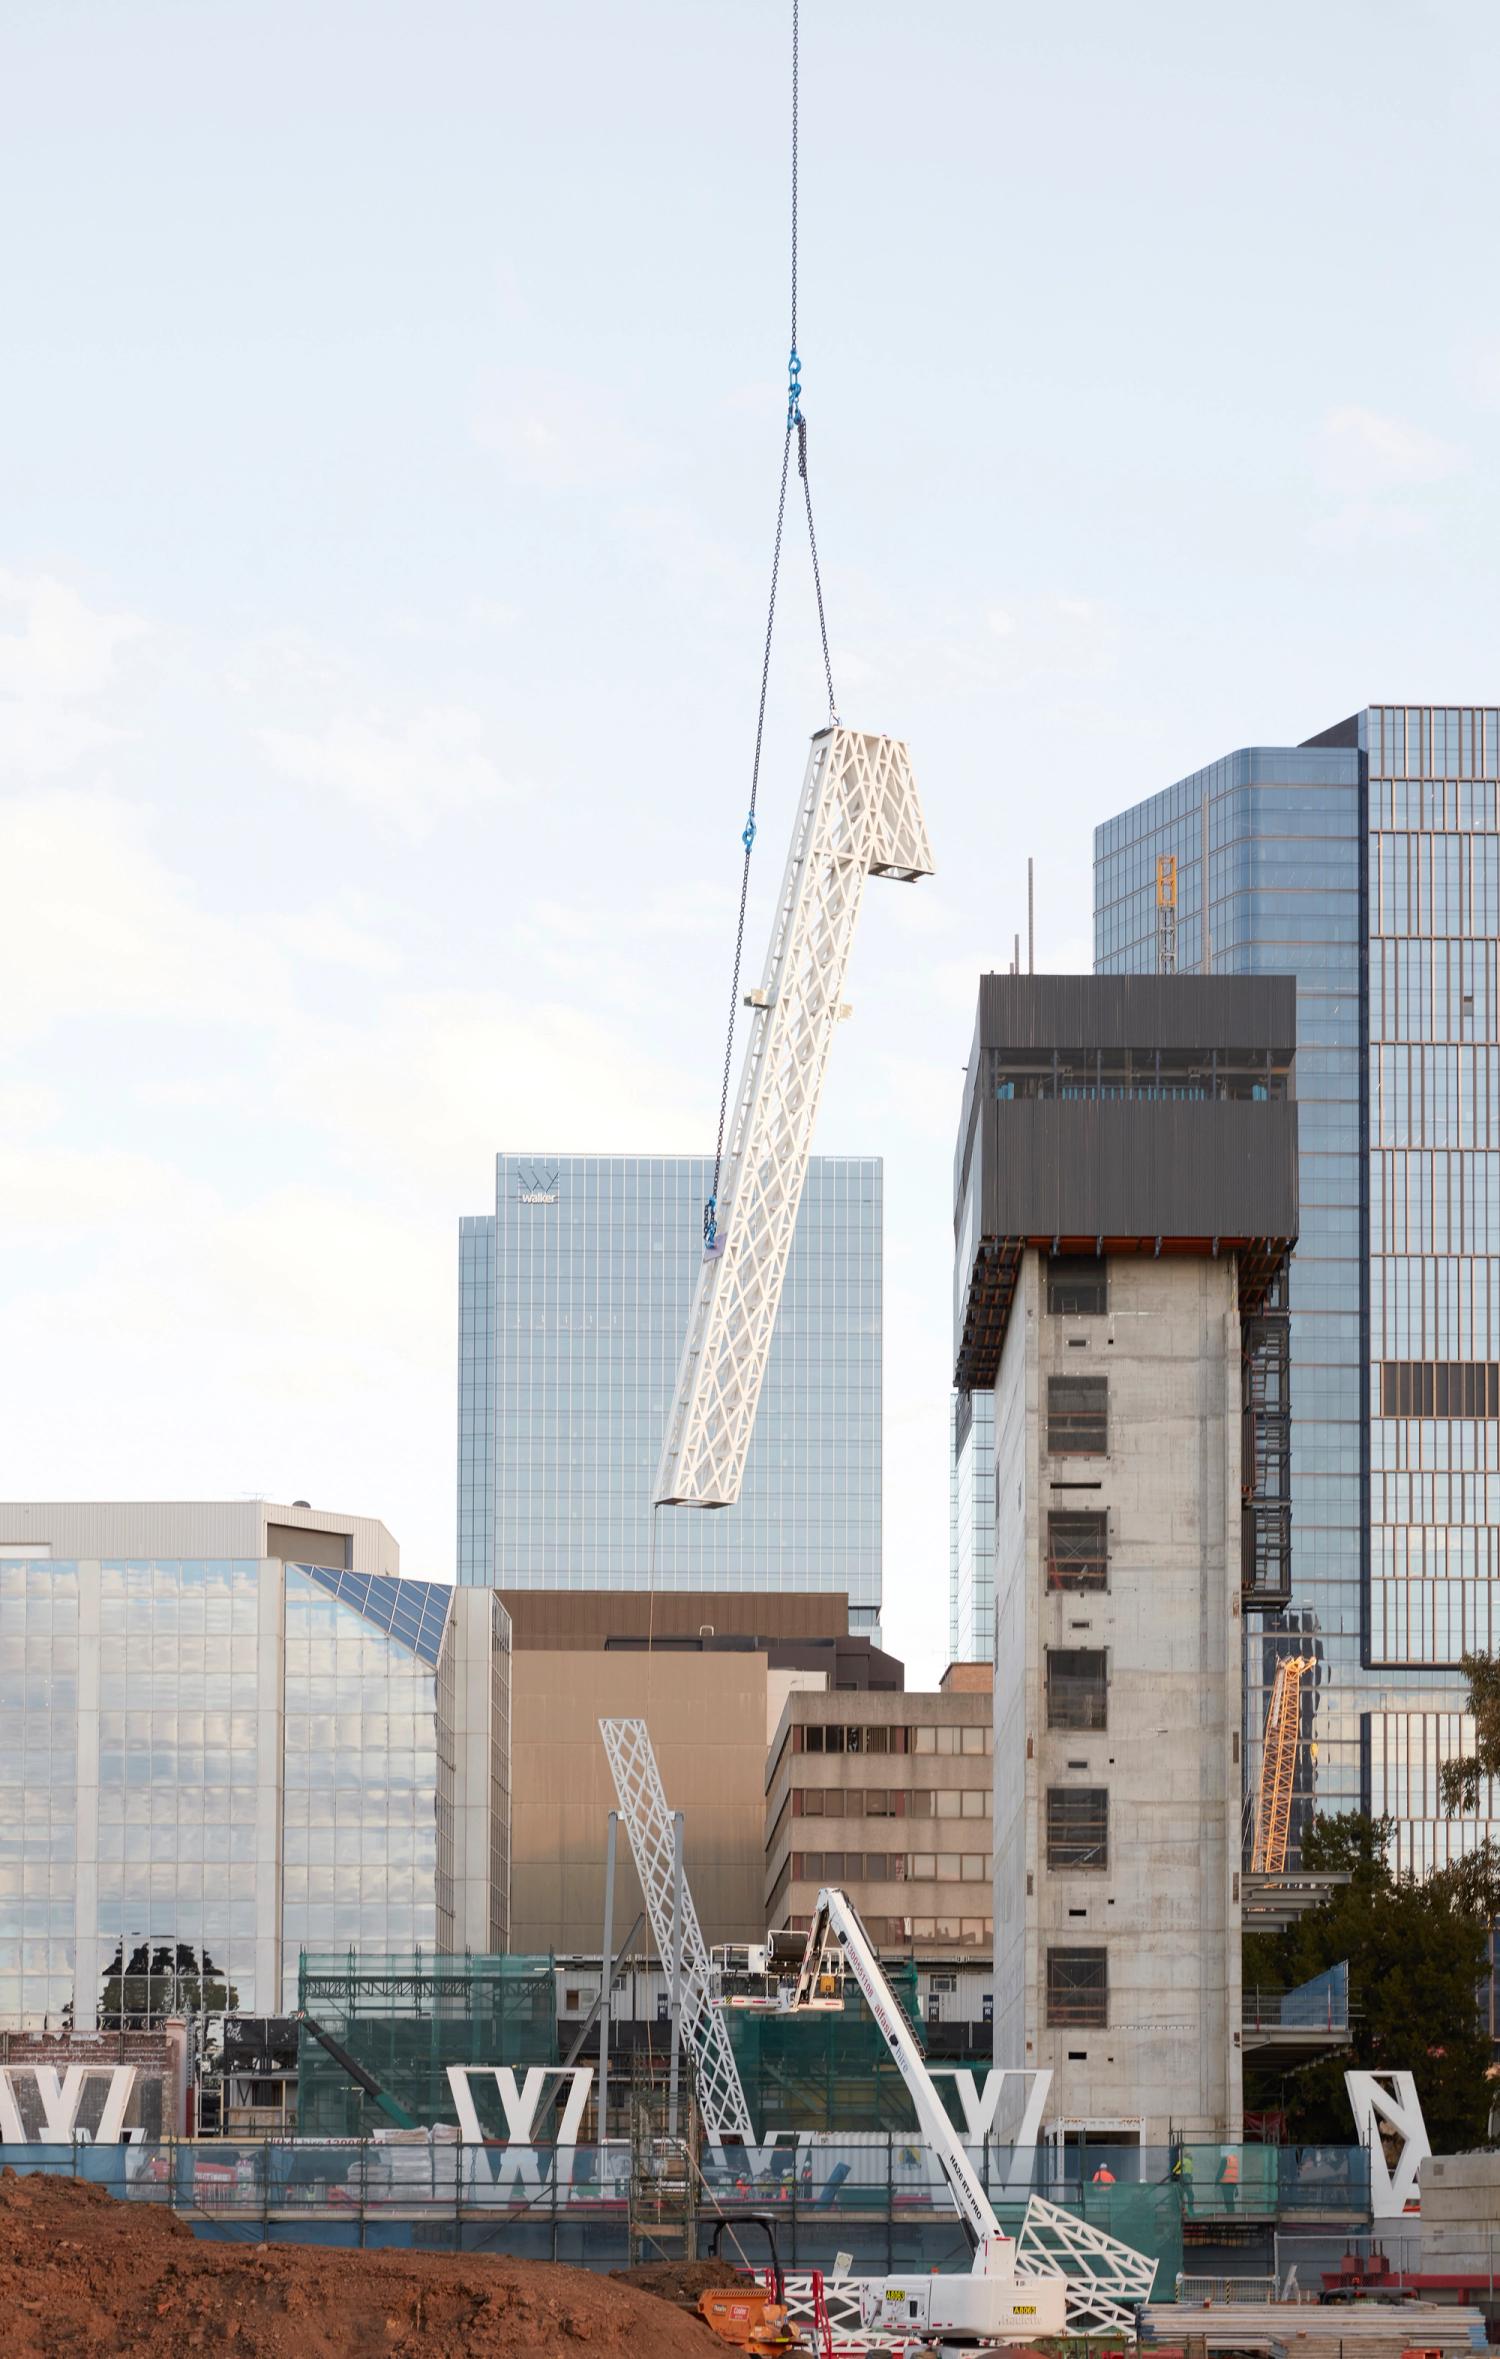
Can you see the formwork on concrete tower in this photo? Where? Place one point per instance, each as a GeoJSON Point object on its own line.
{"type": "Point", "coordinates": [406, 2018]}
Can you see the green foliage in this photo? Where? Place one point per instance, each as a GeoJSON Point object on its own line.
{"type": "Point", "coordinates": [1463, 1776]}
{"type": "Point", "coordinates": [1417, 1952]}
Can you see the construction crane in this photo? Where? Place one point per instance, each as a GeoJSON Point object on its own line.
{"type": "Point", "coordinates": [859, 817]}
{"type": "Point", "coordinates": [650, 1828]}
{"type": "Point", "coordinates": [1166, 913]}
{"type": "Point", "coordinates": [1278, 1767]}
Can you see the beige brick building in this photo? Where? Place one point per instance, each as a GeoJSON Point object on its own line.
{"type": "Point", "coordinates": [888, 1796]}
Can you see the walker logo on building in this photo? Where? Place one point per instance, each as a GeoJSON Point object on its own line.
{"type": "Point", "coordinates": [519, 2099]}
{"type": "Point", "coordinates": [535, 1187]}
{"type": "Point", "coordinates": [58, 2098]}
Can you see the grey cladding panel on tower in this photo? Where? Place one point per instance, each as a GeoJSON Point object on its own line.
{"type": "Point", "coordinates": [1070, 1168]}
{"type": "Point", "coordinates": [1127, 1109]}
{"type": "Point", "coordinates": [1228, 1012]}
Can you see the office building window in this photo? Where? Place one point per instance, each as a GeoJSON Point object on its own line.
{"type": "Point", "coordinates": [1078, 1416]}
{"type": "Point", "coordinates": [1077, 1287]}
{"type": "Point", "coordinates": [1077, 1687]}
{"type": "Point", "coordinates": [1077, 1827]}
{"type": "Point", "coordinates": [1078, 1989]}
{"type": "Point", "coordinates": [1078, 1551]}
{"type": "Point", "coordinates": [1440, 1388]}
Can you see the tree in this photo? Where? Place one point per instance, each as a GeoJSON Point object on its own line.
{"type": "Point", "coordinates": [1417, 1950]}
{"type": "Point", "coordinates": [1463, 1776]}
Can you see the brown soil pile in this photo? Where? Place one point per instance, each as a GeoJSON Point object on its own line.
{"type": "Point", "coordinates": [679, 2281]}
{"type": "Point", "coordinates": [82, 2275]}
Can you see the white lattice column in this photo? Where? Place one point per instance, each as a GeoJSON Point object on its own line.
{"type": "Point", "coordinates": [859, 817]}
{"type": "Point", "coordinates": [647, 1821]}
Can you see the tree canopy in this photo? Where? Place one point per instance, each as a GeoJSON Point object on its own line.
{"type": "Point", "coordinates": [1464, 1775]}
{"type": "Point", "coordinates": [1418, 1951]}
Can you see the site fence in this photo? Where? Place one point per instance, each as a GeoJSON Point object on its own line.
{"type": "Point", "coordinates": [880, 2198]}
{"type": "Point", "coordinates": [1394, 2258]}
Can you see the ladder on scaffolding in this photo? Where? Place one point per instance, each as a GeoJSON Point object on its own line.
{"type": "Point", "coordinates": [662, 2220]}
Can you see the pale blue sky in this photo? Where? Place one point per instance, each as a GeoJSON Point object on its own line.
{"type": "Point", "coordinates": [388, 430]}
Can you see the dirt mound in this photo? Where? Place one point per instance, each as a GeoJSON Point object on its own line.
{"type": "Point", "coordinates": [678, 2281]}
{"type": "Point", "coordinates": [85, 2275]}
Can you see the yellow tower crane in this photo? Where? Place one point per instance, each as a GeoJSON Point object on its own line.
{"type": "Point", "coordinates": [1278, 1767]}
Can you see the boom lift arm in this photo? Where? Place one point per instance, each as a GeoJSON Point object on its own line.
{"type": "Point", "coordinates": [836, 1914]}
{"type": "Point", "coordinates": [963, 2314]}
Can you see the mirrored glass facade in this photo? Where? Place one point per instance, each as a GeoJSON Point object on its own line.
{"type": "Point", "coordinates": [1365, 863]}
{"type": "Point", "coordinates": [573, 1306]}
{"type": "Point", "coordinates": [971, 1527]}
{"type": "Point", "coordinates": [205, 1765]}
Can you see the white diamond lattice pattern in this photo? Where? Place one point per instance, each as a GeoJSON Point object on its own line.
{"type": "Point", "coordinates": [648, 1824]}
{"type": "Point", "coordinates": [859, 817]}
{"type": "Point", "coordinates": [1106, 2279]}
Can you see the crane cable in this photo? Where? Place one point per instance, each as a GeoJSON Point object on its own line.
{"type": "Point", "coordinates": [796, 425]}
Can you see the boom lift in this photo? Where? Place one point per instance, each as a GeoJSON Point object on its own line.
{"type": "Point", "coordinates": [993, 2304]}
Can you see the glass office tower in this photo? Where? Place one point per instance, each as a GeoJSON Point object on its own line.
{"type": "Point", "coordinates": [573, 1307]}
{"type": "Point", "coordinates": [206, 1764]}
{"type": "Point", "coordinates": [1366, 863]}
{"type": "Point", "coordinates": [971, 1527]}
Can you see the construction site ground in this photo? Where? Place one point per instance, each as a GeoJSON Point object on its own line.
{"type": "Point", "coordinates": [81, 2273]}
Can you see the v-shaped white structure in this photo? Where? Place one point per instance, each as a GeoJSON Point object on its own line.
{"type": "Point", "coordinates": [859, 817]}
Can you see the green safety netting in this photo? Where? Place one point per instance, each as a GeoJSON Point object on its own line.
{"type": "Point", "coordinates": [405, 2020]}
{"type": "Point", "coordinates": [824, 2071]}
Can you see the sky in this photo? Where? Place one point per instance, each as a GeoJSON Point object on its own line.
{"type": "Point", "coordinates": [389, 424]}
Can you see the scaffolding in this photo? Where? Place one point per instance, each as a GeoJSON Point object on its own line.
{"type": "Point", "coordinates": [827, 2071]}
{"type": "Point", "coordinates": [1266, 1453]}
{"type": "Point", "coordinates": [406, 2018]}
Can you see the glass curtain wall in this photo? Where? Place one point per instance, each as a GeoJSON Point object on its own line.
{"type": "Point", "coordinates": [1367, 864]}
{"type": "Point", "coordinates": [574, 1305]}
{"type": "Point", "coordinates": [1269, 851]}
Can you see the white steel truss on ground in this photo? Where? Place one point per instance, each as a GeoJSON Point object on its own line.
{"type": "Point", "coordinates": [647, 1821]}
{"type": "Point", "coordinates": [1107, 2280]}
{"type": "Point", "coordinates": [811, 2298]}
{"type": "Point", "coordinates": [859, 817]}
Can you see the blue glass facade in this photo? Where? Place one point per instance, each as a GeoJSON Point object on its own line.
{"type": "Point", "coordinates": [971, 1528]}
{"type": "Point", "coordinates": [573, 1306]}
{"type": "Point", "coordinates": [1364, 863]}
{"type": "Point", "coordinates": [206, 1764]}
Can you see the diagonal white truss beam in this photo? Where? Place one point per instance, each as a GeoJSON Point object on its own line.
{"type": "Point", "coordinates": [648, 1823]}
{"type": "Point", "coordinates": [1106, 2280]}
{"type": "Point", "coordinates": [859, 817]}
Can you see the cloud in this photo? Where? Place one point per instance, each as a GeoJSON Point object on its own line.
{"type": "Point", "coordinates": [1365, 454]}
{"type": "Point", "coordinates": [471, 1071]}
{"type": "Point", "coordinates": [552, 435]}
{"type": "Point", "coordinates": [408, 776]}
{"type": "Point", "coordinates": [98, 926]}
{"type": "Point", "coordinates": [56, 654]}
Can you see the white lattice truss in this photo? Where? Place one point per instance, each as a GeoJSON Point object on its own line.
{"type": "Point", "coordinates": [648, 1823]}
{"type": "Point", "coordinates": [859, 817]}
{"type": "Point", "coordinates": [839, 2297]}
{"type": "Point", "coordinates": [1388, 2102]}
{"type": "Point", "coordinates": [1107, 2280]}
